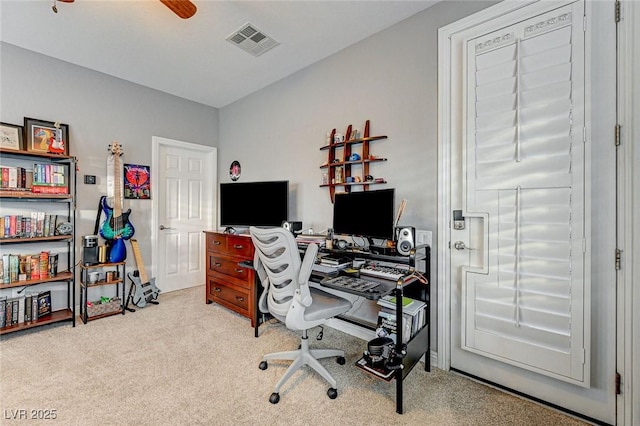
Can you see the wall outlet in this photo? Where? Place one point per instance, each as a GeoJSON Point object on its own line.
{"type": "Point", "coordinates": [423, 237]}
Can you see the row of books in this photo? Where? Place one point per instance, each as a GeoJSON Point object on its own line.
{"type": "Point", "coordinates": [15, 178]}
{"type": "Point", "coordinates": [23, 309]}
{"type": "Point", "coordinates": [25, 267]}
{"type": "Point", "coordinates": [35, 224]}
{"type": "Point", "coordinates": [414, 317]}
{"type": "Point", "coordinates": [44, 178]}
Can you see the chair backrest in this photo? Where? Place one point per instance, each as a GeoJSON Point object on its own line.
{"type": "Point", "coordinates": [277, 250]}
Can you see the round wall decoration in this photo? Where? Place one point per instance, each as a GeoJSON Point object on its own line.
{"type": "Point", "coordinates": [234, 170]}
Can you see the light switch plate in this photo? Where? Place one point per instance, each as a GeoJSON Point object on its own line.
{"type": "Point", "coordinates": [424, 237]}
{"type": "Point", "coordinates": [90, 179]}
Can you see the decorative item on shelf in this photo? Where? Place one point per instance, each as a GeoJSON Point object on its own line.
{"type": "Point", "coordinates": [324, 178]}
{"type": "Point", "coordinates": [64, 228]}
{"type": "Point", "coordinates": [11, 137]}
{"type": "Point", "coordinates": [46, 136]}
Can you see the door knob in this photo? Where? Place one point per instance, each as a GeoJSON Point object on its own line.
{"type": "Point", "coordinates": [162, 227]}
{"type": "Point", "coordinates": [460, 245]}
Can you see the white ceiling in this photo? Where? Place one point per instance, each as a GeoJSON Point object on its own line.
{"type": "Point", "coordinates": [142, 41]}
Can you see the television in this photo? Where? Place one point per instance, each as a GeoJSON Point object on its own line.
{"type": "Point", "coordinates": [254, 203]}
{"type": "Point", "coordinates": [365, 214]}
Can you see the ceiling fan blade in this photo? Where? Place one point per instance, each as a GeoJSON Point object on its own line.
{"type": "Point", "coordinates": [183, 8]}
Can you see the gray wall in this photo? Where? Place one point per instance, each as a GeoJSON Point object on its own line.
{"type": "Point", "coordinates": [99, 109]}
{"type": "Point", "coordinates": [390, 79]}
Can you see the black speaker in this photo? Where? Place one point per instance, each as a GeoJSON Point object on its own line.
{"type": "Point", "coordinates": [405, 239]}
{"type": "Point", "coordinates": [292, 226]}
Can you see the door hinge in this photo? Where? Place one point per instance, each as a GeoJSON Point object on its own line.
{"type": "Point", "coordinates": [618, 383]}
{"type": "Point", "coordinates": [617, 134]}
{"type": "Point", "coordinates": [617, 6]}
{"type": "Point", "coordinates": [618, 259]}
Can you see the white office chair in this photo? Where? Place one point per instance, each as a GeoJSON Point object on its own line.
{"type": "Point", "coordinates": [288, 297]}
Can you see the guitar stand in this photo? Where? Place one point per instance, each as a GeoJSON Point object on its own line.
{"type": "Point", "coordinates": [129, 298]}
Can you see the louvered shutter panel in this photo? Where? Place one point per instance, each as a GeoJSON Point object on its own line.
{"type": "Point", "coordinates": [525, 168]}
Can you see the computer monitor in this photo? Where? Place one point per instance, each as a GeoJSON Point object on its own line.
{"type": "Point", "coordinates": [365, 214]}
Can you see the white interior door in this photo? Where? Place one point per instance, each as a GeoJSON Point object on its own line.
{"type": "Point", "coordinates": [521, 173]}
{"type": "Point", "coordinates": [185, 203]}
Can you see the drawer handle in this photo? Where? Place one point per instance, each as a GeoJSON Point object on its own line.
{"type": "Point", "coordinates": [217, 289]}
{"type": "Point", "coordinates": [239, 270]}
{"type": "Point", "coordinates": [240, 298]}
{"type": "Point", "coordinates": [216, 243]}
{"type": "Point", "coordinates": [217, 265]}
{"type": "Point", "coordinates": [238, 246]}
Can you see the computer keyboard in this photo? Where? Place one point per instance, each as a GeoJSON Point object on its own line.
{"type": "Point", "coordinates": [386, 272]}
{"type": "Point", "coordinates": [352, 283]}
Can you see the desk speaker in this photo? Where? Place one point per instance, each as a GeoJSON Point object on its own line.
{"type": "Point", "coordinates": [405, 239]}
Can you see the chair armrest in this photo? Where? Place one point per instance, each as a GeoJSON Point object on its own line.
{"type": "Point", "coordinates": [305, 273]}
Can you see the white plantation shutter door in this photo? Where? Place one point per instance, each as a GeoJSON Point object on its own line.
{"type": "Point", "coordinates": [525, 169]}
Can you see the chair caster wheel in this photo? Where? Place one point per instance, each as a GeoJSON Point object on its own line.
{"type": "Point", "coordinates": [263, 365]}
{"type": "Point", "coordinates": [332, 393]}
{"type": "Point", "coordinates": [274, 398]}
{"type": "Point", "coordinates": [341, 360]}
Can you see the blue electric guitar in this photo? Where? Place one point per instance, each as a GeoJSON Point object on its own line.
{"type": "Point", "coordinates": [116, 227]}
{"type": "Point", "coordinates": [145, 288]}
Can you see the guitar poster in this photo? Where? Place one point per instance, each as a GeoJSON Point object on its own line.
{"type": "Point", "coordinates": [137, 182]}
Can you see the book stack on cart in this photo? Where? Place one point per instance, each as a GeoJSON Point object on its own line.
{"type": "Point", "coordinates": [414, 314]}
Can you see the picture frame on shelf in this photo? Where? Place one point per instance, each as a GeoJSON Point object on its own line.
{"type": "Point", "coordinates": [11, 137]}
{"type": "Point", "coordinates": [46, 136]}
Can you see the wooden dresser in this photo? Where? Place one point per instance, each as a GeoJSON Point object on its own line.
{"type": "Point", "coordinates": [228, 283]}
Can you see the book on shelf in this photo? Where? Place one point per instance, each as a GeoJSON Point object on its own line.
{"type": "Point", "coordinates": [3, 307]}
{"type": "Point", "coordinates": [414, 310]}
{"type": "Point", "coordinates": [15, 305]}
{"type": "Point", "coordinates": [48, 189]}
{"type": "Point", "coordinates": [387, 325]}
{"type": "Point", "coordinates": [28, 304]}
{"type": "Point", "coordinates": [380, 372]}
{"type": "Point", "coordinates": [44, 303]}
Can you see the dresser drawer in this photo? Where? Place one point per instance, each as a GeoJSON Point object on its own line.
{"type": "Point", "coordinates": [231, 297]}
{"type": "Point", "coordinates": [228, 267]}
{"type": "Point", "coordinates": [216, 242]}
{"type": "Point", "coordinates": [240, 246]}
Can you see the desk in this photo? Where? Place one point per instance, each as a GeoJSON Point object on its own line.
{"type": "Point", "coordinates": [420, 343]}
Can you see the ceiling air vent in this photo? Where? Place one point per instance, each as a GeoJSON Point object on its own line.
{"type": "Point", "coordinates": [252, 40]}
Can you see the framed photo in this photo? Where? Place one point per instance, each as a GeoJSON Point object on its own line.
{"type": "Point", "coordinates": [11, 137]}
{"type": "Point", "coordinates": [137, 182]}
{"type": "Point", "coordinates": [46, 136]}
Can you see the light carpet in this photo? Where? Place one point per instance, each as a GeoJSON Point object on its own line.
{"type": "Point", "coordinates": [185, 362]}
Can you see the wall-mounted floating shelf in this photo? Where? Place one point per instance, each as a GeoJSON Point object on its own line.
{"type": "Point", "coordinates": [341, 170]}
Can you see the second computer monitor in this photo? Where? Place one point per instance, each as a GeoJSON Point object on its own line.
{"type": "Point", "coordinates": [365, 213]}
